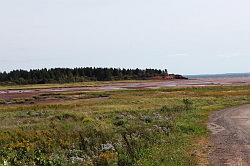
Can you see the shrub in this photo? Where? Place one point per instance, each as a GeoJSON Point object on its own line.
{"type": "Point", "coordinates": [188, 104]}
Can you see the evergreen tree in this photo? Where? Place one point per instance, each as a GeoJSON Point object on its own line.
{"type": "Point", "coordinates": [65, 75]}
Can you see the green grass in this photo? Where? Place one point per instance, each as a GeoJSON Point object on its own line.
{"type": "Point", "coordinates": [164, 126]}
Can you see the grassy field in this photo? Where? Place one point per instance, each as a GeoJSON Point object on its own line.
{"type": "Point", "coordinates": [41, 86]}
{"type": "Point", "coordinates": [66, 85]}
{"type": "Point", "coordinates": [134, 127]}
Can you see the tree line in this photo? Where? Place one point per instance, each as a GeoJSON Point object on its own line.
{"type": "Point", "coordinates": [67, 75]}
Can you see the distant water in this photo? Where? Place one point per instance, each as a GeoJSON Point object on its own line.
{"type": "Point", "coordinates": [228, 75]}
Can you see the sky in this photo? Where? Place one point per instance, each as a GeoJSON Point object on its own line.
{"type": "Point", "coordinates": [186, 37]}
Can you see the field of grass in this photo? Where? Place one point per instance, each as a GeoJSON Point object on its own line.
{"type": "Point", "coordinates": [155, 127]}
{"type": "Point", "coordinates": [76, 84]}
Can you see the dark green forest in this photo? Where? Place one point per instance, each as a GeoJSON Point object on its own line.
{"type": "Point", "coordinates": [67, 75]}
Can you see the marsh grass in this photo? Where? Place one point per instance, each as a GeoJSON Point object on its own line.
{"type": "Point", "coordinates": [133, 127]}
{"type": "Point", "coordinates": [70, 85]}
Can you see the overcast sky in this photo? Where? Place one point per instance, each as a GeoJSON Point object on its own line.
{"type": "Point", "coordinates": [184, 36]}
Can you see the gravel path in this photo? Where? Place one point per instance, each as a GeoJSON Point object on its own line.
{"type": "Point", "coordinates": [230, 137]}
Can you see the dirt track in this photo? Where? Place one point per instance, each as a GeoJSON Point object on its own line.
{"type": "Point", "coordinates": [230, 137]}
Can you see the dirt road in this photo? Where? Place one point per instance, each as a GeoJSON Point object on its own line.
{"type": "Point", "coordinates": [230, 137]}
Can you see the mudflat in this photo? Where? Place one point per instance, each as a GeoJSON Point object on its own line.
{"type": "Point", "coordinates": [198, 82]}
{"type": "Point", "coordinates": [230, 137]}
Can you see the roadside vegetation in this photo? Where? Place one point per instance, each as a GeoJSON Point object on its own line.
{"type": "Point", "coordinates": [164, 126]}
